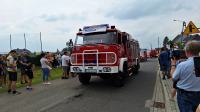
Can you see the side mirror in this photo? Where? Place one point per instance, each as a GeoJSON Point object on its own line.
{"type": "Point", "coordinates": [69, 43]}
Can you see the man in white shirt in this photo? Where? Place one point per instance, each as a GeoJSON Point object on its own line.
{"type": "Point", "coordinates": [65, 65]}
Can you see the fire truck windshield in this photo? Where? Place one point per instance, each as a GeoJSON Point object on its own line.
{"type": "Point", "coordinates": [97, 38]}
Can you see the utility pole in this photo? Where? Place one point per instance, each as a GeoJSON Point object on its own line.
{"type": "Point", "coordinates": [151, 46]}
{"type": "Point", "coordinates": [41, 41]}
{"type": "Point", "coordinates": [158, 42]}
{"type": "Point", "coordinates": [25, 40]}
{"type": "Point", "coordinates": [10, 42]}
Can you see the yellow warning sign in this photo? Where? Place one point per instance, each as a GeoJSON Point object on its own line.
{"type": "Point", "coordinates": [190, 29]}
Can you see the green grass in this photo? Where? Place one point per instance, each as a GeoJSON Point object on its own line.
{"type": "Point", "coordinates": [54, 74]}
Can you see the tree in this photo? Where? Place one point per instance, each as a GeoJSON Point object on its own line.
{"type": "Point", "coordinates": [69, 46]}
{"type": "Point", "coordinates": [165, 41]}
{"type": "Point", "coordinates": [180, 45]}
{"type": "Point", "coordinates": [171, 44]}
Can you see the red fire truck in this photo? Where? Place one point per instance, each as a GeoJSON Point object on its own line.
{"type": "Point", "coordinates": [104, 51]}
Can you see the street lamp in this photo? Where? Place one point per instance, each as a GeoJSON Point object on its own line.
{"type": "Point", "coordinates": [184, 26]}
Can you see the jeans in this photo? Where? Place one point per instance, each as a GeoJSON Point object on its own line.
{"type": "Point", "coordinates": [188, 101]}
{"type": "Point", "coordinates": [46, 72]}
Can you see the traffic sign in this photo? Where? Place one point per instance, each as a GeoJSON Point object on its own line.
{"type": "Point", "coordinates": [191, 29]}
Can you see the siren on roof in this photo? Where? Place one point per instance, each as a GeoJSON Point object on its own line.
{"type": "Point", "coordinates": [112, 27]}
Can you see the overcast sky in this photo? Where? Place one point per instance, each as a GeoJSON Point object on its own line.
{"type": "Point", "coordinates": [59, 20]}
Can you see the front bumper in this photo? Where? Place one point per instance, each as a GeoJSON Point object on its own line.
{"type": "Point", "coordinates": [94, 69]}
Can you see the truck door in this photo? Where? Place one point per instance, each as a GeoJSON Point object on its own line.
{"type": "Point", "coordinates": [125, 42]}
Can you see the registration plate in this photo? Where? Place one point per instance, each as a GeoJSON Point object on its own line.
{"type": "Point", "coordinates": [90, 70]}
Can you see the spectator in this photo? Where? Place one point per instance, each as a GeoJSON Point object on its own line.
{"type": "Point", "coordinates": [55, 63]}
{"type": "Point", "coordinates": [198, 109]}
{"type": "Point", "coordinates": [28, 66]}
{"type": "Point", "coordinates": [164, 61]}
{"type": "Point", "coordinates": [45, 68]}
{"type": "Point", "coordinates": [12, 71]}
{"type": "Point", "coordinates": [2, 74]}
{"type": "Point", "coordinates": [58, 57]}
{"type": "Point", "coordinates": [188, 84]}
{"type": "Point", "coordinates": [65, 65]}
{"type": "Point", "coordinates": [22, 64]}
{"type": "Point", "coordinates": [4, 60]}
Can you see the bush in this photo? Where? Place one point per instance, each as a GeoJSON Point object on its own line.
{"type": "Point", "coordinates": [35, 59]}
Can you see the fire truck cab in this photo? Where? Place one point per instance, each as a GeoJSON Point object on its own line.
{"type": "Point", "coordinates": [104, 51]}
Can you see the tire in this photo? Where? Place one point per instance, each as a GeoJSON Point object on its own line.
{"type": "Point", "coordinates": [119, 79]}
{"type": "Point", "coordinates": [136, 68]}
{"type": "Point", "coordinates": [84, 78]}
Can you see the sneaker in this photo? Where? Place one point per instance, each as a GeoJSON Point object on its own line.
{"type": "Point", "coordinates": [16, 92]}
{"type": "Point", "coordinates": [66, 77]}
{"type": "Point", "coordinates": [44, 83]}
{"type": "Point", "coordinates": [29, 88]}
{"type": "Point", "coordinates": [73, 75]}
{"type": "Point", "coordinates": [9, 91]}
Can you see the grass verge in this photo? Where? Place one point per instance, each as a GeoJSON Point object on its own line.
{"type": "Point", "coordinates": [56, 73]}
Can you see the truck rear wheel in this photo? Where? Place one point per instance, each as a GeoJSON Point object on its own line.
{"type": "Point", "coordinates": [136, 68]}
{"type": "Point", "coordinates": [84, 78]}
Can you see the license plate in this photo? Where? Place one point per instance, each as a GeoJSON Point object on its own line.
{"type": "Point", "coordinates": [90, 70]}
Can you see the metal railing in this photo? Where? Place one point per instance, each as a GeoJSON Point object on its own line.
{"type": "Point", "coordinates": [75, 59]}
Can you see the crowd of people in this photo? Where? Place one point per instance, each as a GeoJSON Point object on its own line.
{"type": "Point", "coordinates": [182, 66]}
{"type": "Point", "coordinates": [13, 63]}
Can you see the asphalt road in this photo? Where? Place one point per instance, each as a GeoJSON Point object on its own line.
{"type": "Point", "coordinates": [100, 96]}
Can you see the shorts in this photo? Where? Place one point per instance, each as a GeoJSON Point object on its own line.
{"type": "Point", "coordinates": [23, 72]}
{"type": "Point", "coordinates": [29, 73]}
{"type": "Point", "coordinates": [2, 73]}
{"type": "Point", "coordinates": [65, 68]}
{"type": "Point", "coordinates": [12, 76]}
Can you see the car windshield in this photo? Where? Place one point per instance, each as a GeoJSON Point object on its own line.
{"type": "Point", "coordinates": [98, 38]}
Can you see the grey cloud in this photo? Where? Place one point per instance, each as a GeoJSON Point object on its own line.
{"type": "Point", "coordinates": [143, 8]}
{"type": "Point", "coordinates": [53, 18]}
{"type": "Point", "coordinates": [61, 17]}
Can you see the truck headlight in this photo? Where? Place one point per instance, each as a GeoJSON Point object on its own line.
{"type": "Point", "coordinates": [106, 69]}
{"type": "Point", "coordinates": [77, 69]}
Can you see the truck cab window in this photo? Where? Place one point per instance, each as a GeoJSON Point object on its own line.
{"type": "Point", "coordinates": [119, 38]}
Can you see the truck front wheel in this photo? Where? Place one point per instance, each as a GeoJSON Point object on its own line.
{"type": "Point", "coordinates": [84, 78]}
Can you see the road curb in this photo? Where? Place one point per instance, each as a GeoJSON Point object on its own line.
{"type": "Point", "coordinates": [169, 105]}
{"type": "Point", "coordinates": [166, 98]}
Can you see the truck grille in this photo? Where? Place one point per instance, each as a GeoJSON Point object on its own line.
{"type": "Point", "coordinates": [93, 58]}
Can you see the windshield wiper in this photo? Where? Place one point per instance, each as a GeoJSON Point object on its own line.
{"type": "Point", "coordinates": [88, 44]}
{"type": "Point", "coordinates": [100, 43]}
